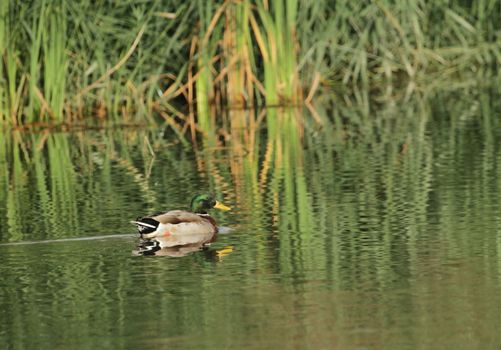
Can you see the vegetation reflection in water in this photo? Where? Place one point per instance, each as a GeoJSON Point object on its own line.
{"type": "Point", "coordinates": [377, 229]}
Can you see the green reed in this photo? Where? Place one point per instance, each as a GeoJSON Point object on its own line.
{"type": "Point", "coordinates": [55, 60]}
{"type": "Point", "coordinates": [386, 40]}
{"type": "Point", "coordinates": [247, 54]}
{"type": "Point", "coordinates": [278, 46]}
{"type": "Point", "coordinates": [65, 61]}
{"type": "Point", "coordinates": [4, 90]}
{"type": "Point", "coordinates": [57, 66]}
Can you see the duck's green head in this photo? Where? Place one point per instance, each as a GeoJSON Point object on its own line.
{"type": "Point", "coordinates": [201, 203]}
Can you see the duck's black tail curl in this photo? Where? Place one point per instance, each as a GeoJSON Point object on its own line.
{"type": "Point", "coordinates": [146, 225]}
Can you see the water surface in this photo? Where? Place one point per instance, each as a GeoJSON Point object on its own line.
{"type": "Point", "coordinates": [380, 230]}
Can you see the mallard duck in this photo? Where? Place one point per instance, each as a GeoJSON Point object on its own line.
{"type": "Point", "coordinates": [181, 227]}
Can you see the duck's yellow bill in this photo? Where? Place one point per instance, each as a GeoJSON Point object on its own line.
{"type": "Point", "coordinates": [221, 206]}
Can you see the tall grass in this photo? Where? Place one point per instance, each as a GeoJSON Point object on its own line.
{"type": "Point", "coordinates": [248, 54]}
{"type": "Point", "coordinates": [383, 41]}
{"type": "Point", "coordinates": [64, 61]}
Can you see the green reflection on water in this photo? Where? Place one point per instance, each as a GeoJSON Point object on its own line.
{"type": "Point", "coordinates": [379, 229]}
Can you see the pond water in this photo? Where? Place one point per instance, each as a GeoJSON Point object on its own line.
{"type": "Point", "coordinates": [378, 230]}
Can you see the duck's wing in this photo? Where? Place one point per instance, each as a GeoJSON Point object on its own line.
{"type": "Point", "coordinates": [150, 223]}
{"type": "Point", "coordinates": [174, 217]}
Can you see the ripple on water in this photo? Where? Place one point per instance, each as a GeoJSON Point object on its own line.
{"type": "Point", "coordinates": [363, 244]}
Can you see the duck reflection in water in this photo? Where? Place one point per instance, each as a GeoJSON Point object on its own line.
{"type": "Point", "coordinates": [179, 232]}
{"type": "Point", "coordinates": [161, 247]}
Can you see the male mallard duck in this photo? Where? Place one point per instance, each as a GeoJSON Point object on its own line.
{"type": "Point", "coordinates": [181, 227]}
